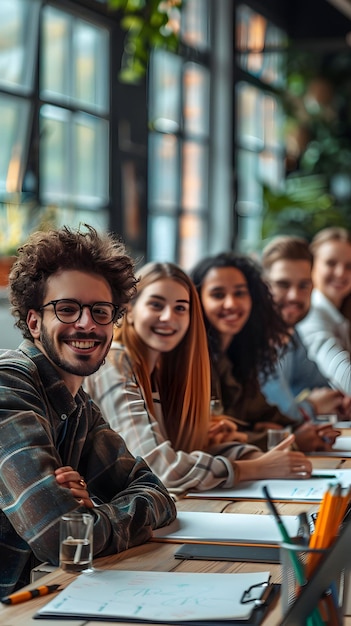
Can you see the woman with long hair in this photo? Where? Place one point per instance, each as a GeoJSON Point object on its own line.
{"type": "Point", "coordinates": [325, 330]}
{"type": "Point", "coordinates": [245, 336]}
{"type": "Point", "coordinates": [155, 391]}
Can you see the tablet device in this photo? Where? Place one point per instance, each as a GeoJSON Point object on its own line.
{"type": "Point", "coordinates": [216, 552]}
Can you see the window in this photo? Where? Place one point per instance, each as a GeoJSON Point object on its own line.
{"type": "Point", "coordinates": [74, 122]}
{"type": "Point", "coordinates": [260, 57]}
{"type": "Point", "coordinates": [179, 121]}
{"type": "Point", "coordinates": [55, 122]}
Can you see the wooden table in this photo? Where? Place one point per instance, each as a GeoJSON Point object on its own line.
{"type": "Point", "coordinates": [160, 557]}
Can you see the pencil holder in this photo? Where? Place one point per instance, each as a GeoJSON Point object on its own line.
{"type": "Point", "coordinates": [298, 563]}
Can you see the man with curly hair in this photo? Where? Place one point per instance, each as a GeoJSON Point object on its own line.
{"type": "Point", "coordinates": [57, 455]}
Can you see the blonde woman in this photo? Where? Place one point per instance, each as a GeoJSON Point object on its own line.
{"type": "Point", "coordinates": [325, 331]}
{"type": "Point", "coordinates": [155, 391]}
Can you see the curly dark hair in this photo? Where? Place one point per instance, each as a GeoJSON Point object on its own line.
{"type": "Point", "coordinates": [255, 348]}
{"type": "Point", "coordinates": [46, 253]}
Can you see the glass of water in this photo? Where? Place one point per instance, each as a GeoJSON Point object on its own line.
{"type": "Point", "coordinates": [76, 542]}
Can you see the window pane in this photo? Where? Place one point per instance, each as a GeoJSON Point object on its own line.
{"type": "Point", "coordinates": [271, 169]}
{"type": "Point", "coordinates": [74, 63]}
{"type": "Point", "coordinates": [90, 160]}
{"type": "Point", "coordinates": [196, 99]}
{"type": "Point", "coordinates": [91, 70]}
{"type": "Point", "coordinates": [56, 53]}
{"type": "Point", "coordinates": [262, 46]}
{"type": "Point", "coordinates": [54, 154]}
{"type": "Point", "coordinates": [272, 121]}
{"type": "Point", "coordinates": [73, 159]}
{"type": "Point", "coordinates": [194, 191]}
{"type": "Point", "coordinates": [195, 24]}
{"type": "Point", "coordinates": [164, 174]}
{"type": "Point", "coordinates": [14, 124]}
{"type": "Point", "coordinates": [162, 237]}
{"type": "Point", "coordinates": [192, 240]}
{"type": "Point", "coordinates": [18, 36]}
{"type": "Point", "coordinates": [165, 91]}
{"type": "Point", "coordinates": [250, 131]}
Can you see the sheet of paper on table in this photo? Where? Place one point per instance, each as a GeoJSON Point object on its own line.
{"type": "Point", "coordinates": [159, 596]}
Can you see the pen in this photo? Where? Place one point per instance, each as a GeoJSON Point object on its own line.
{"type": "Point", "coordinates": [23, 596]}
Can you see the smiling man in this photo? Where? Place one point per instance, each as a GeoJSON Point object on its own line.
{"type": "Point", "coordinates": [296, 386]}
{"type": "Point", "coordinates": [57, 454]}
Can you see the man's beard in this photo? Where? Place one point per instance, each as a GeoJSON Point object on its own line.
{"type": "Point", "coordinates": [297, 316]}
{"type": "Point", "coordinates": [83, 368]}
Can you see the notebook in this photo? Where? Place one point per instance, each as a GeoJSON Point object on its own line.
{"type": "Point", "coordinates": [225, 528]}
{"type": "Point", "coordinates": [171, 597]}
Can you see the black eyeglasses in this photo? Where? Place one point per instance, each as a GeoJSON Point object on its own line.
{"type": "Point", "coordinates": [70, 311]}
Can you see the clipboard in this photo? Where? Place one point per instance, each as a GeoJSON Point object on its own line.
{"type": "Point", "coordinates": [164, 597]}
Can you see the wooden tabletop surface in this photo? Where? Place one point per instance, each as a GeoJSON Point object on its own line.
{"type": "Point", "coordinates": [160, 557]}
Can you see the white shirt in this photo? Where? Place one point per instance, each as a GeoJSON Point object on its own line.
{"type": "Point", "coordinates": [326, 335]}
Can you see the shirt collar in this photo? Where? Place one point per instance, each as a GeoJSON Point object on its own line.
{"type": "Point", "coordinates": [319, 300]}
{"type": "Point", "coordinates": [59, 396]}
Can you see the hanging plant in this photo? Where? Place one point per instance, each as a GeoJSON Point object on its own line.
{"type": "Point", "coordinates": [148, 24]}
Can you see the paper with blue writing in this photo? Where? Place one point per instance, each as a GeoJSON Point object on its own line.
{"type": "Point", "coordinates": [158, 596]}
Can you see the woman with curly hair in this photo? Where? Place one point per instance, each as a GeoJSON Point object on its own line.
{"type": "Point", "coordinates": [155, 391]}
{"type": "Point", "coordinates": [245, 332]}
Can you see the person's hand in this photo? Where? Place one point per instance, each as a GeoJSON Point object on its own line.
{"type": "Point", "coordinates": [280, 462]}
{"type": "Point", "coordinates": [67, 477]}
{"type": "Point", "coordinates": [222, 429]}
{"type": "Point", "coordinates": [326, 401]}
{"type": "Point", "coordinates": [344, 410]}
{"type": "Point", "coordinates": [311, 437]}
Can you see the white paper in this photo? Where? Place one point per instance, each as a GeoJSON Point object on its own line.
{"type": "Point", "coordinates": [226, 528]}
{"type": "Point", "coordinates": [303, 490]}
{"type": "Point", "coordinates": [156, 596]}
{"type": "Point", "coordinates": [342, 443]}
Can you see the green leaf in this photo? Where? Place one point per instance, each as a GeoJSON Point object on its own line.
{"type": "Point", "coordinates": [132, 22]}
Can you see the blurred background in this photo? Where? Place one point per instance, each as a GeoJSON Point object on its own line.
{"type": "Point", "coordinates": [188, 127]}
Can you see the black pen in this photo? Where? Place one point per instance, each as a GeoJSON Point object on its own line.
{"type": "Point", "coordinates": [23, 596]}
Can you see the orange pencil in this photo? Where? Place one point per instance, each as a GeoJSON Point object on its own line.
{"type": "Point", "coordinates": [323, 534]}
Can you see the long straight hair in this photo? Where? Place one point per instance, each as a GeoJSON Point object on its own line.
{"type": "Point", "coordinates": [183, 374]}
